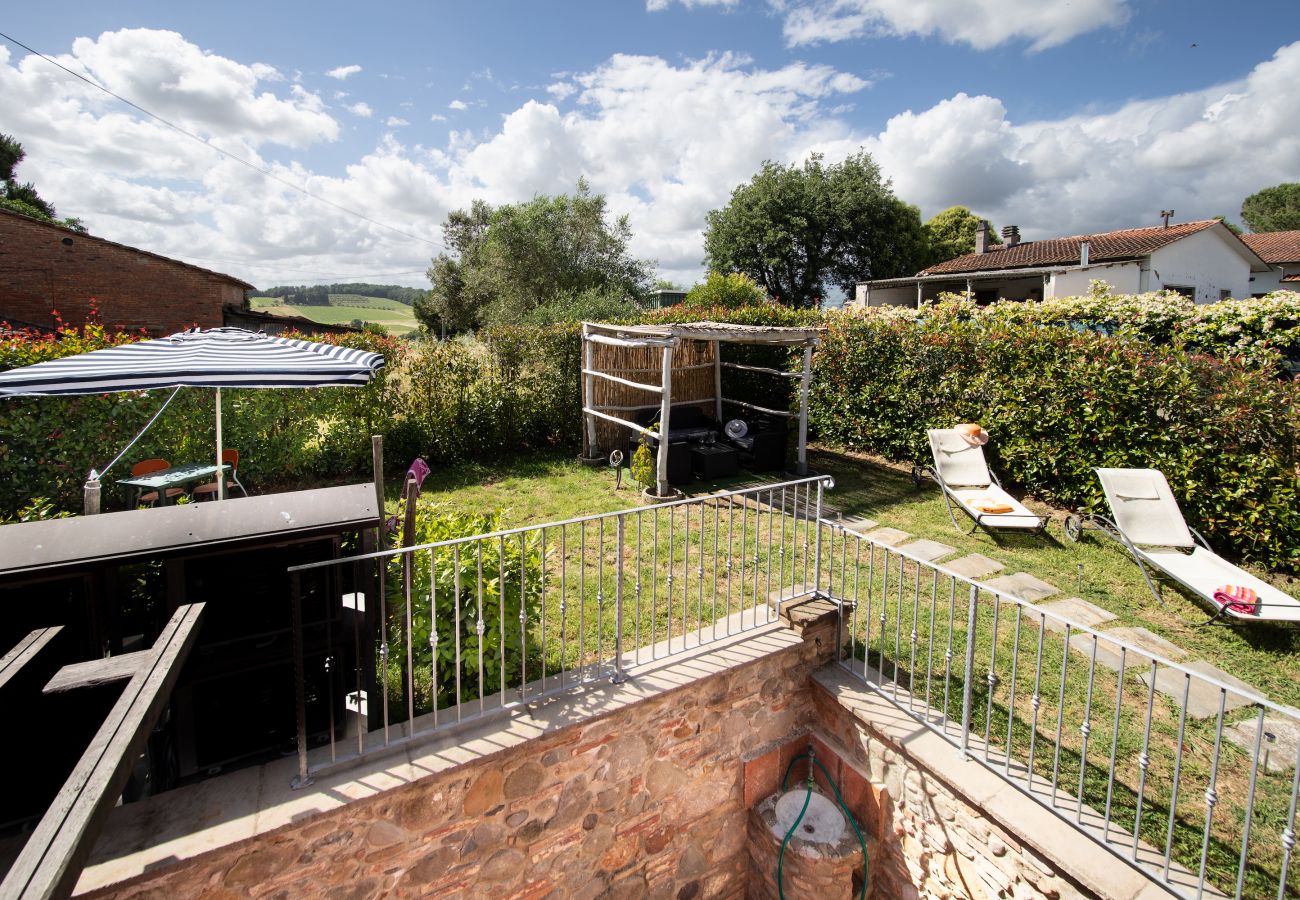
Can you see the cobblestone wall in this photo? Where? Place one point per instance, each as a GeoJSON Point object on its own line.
{"type": "Point", "coordinates": [646, 801]}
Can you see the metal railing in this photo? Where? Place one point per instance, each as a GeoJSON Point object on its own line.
{"type": "Point", "coordinates": [1162, 764]}
{"type": "Point", "coordinates": [451, 631]}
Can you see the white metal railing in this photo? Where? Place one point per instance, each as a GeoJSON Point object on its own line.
{"type": "Point", "coordinates": [454, 630]}
{"type": "Point", "coordinates": [1094, 728]}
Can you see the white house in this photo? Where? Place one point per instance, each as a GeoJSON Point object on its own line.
{"type": "Point", "coordinates": [1202, 260]}
{"type": "Point", "coordinates": [1281, 250]}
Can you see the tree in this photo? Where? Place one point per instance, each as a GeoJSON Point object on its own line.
{"type": "Point", "coordinates": [951, 234]}
{"type": "Point", "coordinates": [1273, 209]}
{"type": "Point", "coordinates": [730, 291]}
{"type": "Point", "coordinates": [798, 230]}
{"type": "Point", "coordinates": [23, 198]}
{"type": "Point", "coordinates": [504, 262]}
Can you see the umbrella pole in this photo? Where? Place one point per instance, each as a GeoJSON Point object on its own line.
{"type": "Point", "coordinates": [221, 476]}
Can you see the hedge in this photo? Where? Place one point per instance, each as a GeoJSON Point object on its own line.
{"type": "Point", "coordinates": [1058, 402]}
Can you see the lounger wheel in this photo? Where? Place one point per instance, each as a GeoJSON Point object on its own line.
{"type": "Point", "coordinates": [1074, 528]}
{"type": "Point", "coordinates": [916, 476]}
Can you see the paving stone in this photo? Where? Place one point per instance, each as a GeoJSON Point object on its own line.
{"type": "Point", "coordinates": [859, 524]}
{"type": "Point", "coordinates": [1024, 586]}
{"type": "Point", "coordinates": [1275, 755]}
{"type": "Point", "coordinates": [928, 550]}
{"type": "Point", "coordinates": [890, 537]}
{"type": "Point", "coordinates": [974, 565]}
{"type": "Point", "coordinates": [1202, 698]}
{"type": "Point", "coordinates": [1078, 611]}
{"type": "Point", "coordinates": [1146, 640]}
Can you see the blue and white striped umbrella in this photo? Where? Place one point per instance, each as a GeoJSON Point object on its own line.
{"type": "Point", "coordinates": [216, 358]}
{"type": "Point", "coordinates": [219, 357]}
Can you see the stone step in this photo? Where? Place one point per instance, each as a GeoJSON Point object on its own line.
{"type": "Point", "coordinates": [1024, 586]}
{"type": "Point", "coordinates": [1108, 653]}
{"type": "Point", "coordinates": [890, 537]}
{"type": "Point", "coordinates": [928, 550]}
{"type": "Point", "coordinates": [858, 524]}
{"type": "Point", "coordinates": [1277, 750]}
{"type": "Point", "coordinates": [974, 565]}
{"type": "Point", "coordinates": [1079, 611]}
{"type": "Point", "coordinates": [1202, 697]}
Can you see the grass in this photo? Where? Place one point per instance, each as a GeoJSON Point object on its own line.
{"type": "Point", "coordinates": [397, 317]}
{"type": "Point", "coordinates": [548, 488]}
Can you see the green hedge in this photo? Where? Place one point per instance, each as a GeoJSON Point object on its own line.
{"type": "Point", "coordinates": [1058, 402]}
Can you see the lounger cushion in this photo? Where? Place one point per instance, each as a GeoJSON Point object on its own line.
{"type": "Point", "coordinates": [958, 463]}
{"type": "Point", "coordinates": [1204, 571]}
{"type": "Point", "coordinates": [1144, 507]}
{"type": "Point", "coordinates": [1019, 517]}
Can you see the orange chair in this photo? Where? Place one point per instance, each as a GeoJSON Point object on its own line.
{"type": "Point", "coordinates": [144, 467]}
{"type": "Point", "coordinates": [209, 491]}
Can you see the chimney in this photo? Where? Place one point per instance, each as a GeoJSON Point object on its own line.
{"type": "Point", "coordinates": [982, 237]}
{"type": "Point", "coordinates": [1084, 248]}
{"type": "Point", "coordinates": [1011, 235]}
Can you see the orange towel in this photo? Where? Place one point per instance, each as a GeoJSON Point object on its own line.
{"type": "Point", "coordinates": [989, 505]}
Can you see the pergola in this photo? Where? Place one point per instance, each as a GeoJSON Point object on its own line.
{"type": "Point", "coordinates": [688, 349]}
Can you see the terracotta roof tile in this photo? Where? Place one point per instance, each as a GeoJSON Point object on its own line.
{"type": "Point", "coordinates": [1275, 246]}
{"type": "Point", "coordinates": [1109, 246]}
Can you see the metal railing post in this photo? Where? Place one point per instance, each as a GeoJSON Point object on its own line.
{"type": "Point", "coordinates": [817, 547]}
{"type": "Point", "coordinates": [619, 676]}
{"type": "Point", "coordinates": [968, 675]}
{"type": "Point", "coordinates": [302, 779]}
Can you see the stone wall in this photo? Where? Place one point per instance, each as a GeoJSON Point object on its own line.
{"type": "Point", "coordinates": [44, 268]}
{"type": "Point", "coordinates": [646, 801]}
{"type": "Point", "coordinates": [929, 841]}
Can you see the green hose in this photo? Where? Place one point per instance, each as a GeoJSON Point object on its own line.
{"type": "Point", "coordinates": [780, 858]}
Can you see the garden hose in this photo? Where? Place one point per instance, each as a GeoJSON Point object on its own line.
{"type": "Point", "coordinates": [780, 857]}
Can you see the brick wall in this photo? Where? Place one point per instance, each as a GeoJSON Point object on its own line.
{"type": "Point", "coordinates": [44, 268]}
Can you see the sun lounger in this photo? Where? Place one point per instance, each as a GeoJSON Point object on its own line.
{"type": "Point", "coordinates": [1148, 522]}
{"type": "Point", "coordinates": [966, 480]}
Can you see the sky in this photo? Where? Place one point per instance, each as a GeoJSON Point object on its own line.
{"type": "Point", "coordinates": [374, 121]}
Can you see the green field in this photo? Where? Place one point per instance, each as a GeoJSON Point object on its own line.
{"type": "Point", "coordinates": [397, 317]}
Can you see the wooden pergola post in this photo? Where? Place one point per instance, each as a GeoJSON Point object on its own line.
{"type": "Point", "coordinates": [717, 379]}
{"type": "Point", "coordinates": [588, 394]}
{"type": "Point", "coordinates": [665, 410]}
{"type": "Point", "coordinates": [804, 383]}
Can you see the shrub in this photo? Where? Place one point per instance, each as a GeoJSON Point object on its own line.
{"type": "Point", "coordinates": [1059, 402]}
{"type": "Point", "coordinates": [733, 291]}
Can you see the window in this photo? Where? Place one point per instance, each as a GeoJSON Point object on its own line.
{"type": "Point", "coordinates": [1188, 292]}
{"type": "Point", "coordinates": [1225, 295]}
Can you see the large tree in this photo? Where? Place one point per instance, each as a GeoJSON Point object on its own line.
{"type": "Point", "coordinates": [504, 262]}
{"type": "Point", "coordinates": [951, 233]}
{"type": "Point", "coordinates": [799, 230]}
{"type": "Point", "coordinates": [1273, 209]}
{"type": "Point", "coordinates": [22, 197]}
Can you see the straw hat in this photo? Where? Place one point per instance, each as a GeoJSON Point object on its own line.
{"type": "Point", "coordinates": [973, 434]}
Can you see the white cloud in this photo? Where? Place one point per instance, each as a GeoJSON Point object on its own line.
{"type": "Point", "coordinates": [980, 23]}
{"type": "Point", "coordinates": [395, 122]}
{"type": "Point", "coordinates": [458, 105]}
{"type": "Point", "coordinates": [437, 117]}
{"type": "Point", "coordinates": [659, 5]}
{"type": "Point", "coordinates": [361, 109]}
{"type": "Point", "coordinates": [343, 72]}
{"type": "Point", "coordinates": [642, 130]}
{"type": "Point", "coordinates": [561, 90]}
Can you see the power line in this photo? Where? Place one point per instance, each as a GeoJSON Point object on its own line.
{"type": "Point", "coordinates": [226, 153]}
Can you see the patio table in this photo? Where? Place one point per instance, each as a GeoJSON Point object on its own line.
{"type": "Point", "coordinates": [175, 476]}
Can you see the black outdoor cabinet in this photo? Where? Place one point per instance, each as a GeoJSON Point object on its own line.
{"type": "Point", "coordinates": [113, 580]}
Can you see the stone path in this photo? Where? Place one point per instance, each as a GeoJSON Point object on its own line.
{"type": "Point", "coordinates": [1024, 586]}
{"type": "Point", "coordinates": [928, 550]}
{"type": "Point", "coordinates": [1278, 749]}
{"type": "Point", "coordinates": [890, 537]}
{"type": "Point", "coordinates": [974, 565]}
{"type": "Point", "coordinates": [858, 524]}
{"type": "Point", "coordinates": [1202, 697]}
{"type": "Point", "coordinates": [1078, 611]}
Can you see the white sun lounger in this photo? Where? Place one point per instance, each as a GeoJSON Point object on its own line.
{"type": "Point", "coordinates": [1148, 522]}
{"type": "Point", "coordinates": [965, 479]}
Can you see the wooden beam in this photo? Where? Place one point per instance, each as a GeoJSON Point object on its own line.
{"type": "Point", "coordinates": [95, 672]}
{"type": "Point", "coordinates": [638, 385]}
{"type": "Point", "coordinates": [52, 859]}
{"type": "Point", "coordinates": [24, 651]}
{"type": "Point", "coordinates": [763, 369]}
{"type": "Point", "coordinates": [624, 422]}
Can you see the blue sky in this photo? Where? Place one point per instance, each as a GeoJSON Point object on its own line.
{"type": "Point", "coordinates": [1062, 117]}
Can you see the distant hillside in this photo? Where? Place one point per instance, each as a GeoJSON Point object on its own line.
{"type": "Point", "coordinates": [343, 309]}
{"type": "Point", "coordinates": [318, 294]}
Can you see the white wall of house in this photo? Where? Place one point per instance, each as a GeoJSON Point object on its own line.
{"type": "Point", "coordinates": [904, 295]}
{"type": "Point", "coordinates": [1270, 281]}
{"type": "Point", "coordinates": [1204, 261]}
{"type": "Point", "coordinates": [1124, 278]}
